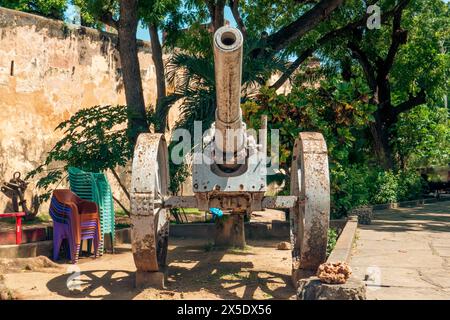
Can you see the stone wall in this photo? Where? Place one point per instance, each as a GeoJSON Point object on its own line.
{"type": "Point", "coordinates": [48, 71]}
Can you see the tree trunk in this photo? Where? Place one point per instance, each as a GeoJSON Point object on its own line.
{"type": "Point", "coordinates": [219, 15]}
{"type": "Point", "coordinates": [137, 120]}
{"type": "Point", "coordinates": [216, 11]}
{"type": "Point", "coordinates": [382, 147]}
{"type": "Point", "coordinates": [157, 57]}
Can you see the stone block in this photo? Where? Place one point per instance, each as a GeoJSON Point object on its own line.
{"type": "Point", "coordinates": [313, 289]}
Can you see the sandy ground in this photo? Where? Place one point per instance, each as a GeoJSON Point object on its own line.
{"type": "Point", "coordinates": [195, 272]}
{"type": "Point", "coordinates": [405, 253]}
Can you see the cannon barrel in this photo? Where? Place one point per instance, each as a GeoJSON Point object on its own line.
{"type": "Point", "coordinates": [228, 45]}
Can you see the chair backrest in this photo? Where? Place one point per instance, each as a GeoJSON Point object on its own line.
{"type": "Point", "coordinates": [83, 184]}
{"type": "Point", "coordinates": [59, 212]}
{"type": "Point", "coordinates": [66, 196]}
{"type": "Point", "coordinates": [94, 187]}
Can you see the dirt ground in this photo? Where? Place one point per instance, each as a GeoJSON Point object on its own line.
{"type": "Point", "coordinates": [196, 271]}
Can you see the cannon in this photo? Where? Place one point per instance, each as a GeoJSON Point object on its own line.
{"type": "Point", "coordinates": [229, 172]}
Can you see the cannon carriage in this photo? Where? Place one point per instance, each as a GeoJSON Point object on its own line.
{"type": "Point", "coordinates": [230, 173]}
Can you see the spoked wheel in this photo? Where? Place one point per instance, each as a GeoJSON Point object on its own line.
{"type": "Point", "coordinates": [310, 217]}
{"type": "Point", "coordinates": [149, 221]}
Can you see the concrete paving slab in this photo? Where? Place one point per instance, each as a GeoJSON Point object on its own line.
{"type": "Point", "coordinates": [405, 253]}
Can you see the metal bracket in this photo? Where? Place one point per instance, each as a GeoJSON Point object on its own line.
{"type": "Point", "coordinates": [142, 203]}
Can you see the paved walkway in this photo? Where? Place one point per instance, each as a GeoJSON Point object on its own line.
{"type": "Point", "coordinates": [405, 253]}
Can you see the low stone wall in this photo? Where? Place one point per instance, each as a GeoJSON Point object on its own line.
{"type": "Point", "coordinates": [407, 204]}
{"type": "Point", "coordinates": [311, 288]}
{"type": "Point", "coordinates": [27, 250]}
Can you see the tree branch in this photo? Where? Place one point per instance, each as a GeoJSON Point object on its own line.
{"type": "Point", "coordinates": [234, 5]}
{"type": "Point", "coordinates": [368, 69]}
{"type": "Point", "coordinates": [399, 37]}
{"type": "Point", "coordinates": [157, 57]}
{"type": "Point", "coordinates": [325, 39]}
{"type": "Point", "coordinates": [411, 102]}
{"type": "Point", "coordinates": [107, 18]}
{"type": "Point", "coordinates": [122, 186]}
{"type": "Point", "coordinates": [286, 35]}
{"type": "Point", "coordinates": [291, 69]}
{"type": "Point", "coordinates": [122, 206]}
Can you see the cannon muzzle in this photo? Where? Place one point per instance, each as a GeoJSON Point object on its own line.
{"type": "Point", "coordinates": [230, 136]}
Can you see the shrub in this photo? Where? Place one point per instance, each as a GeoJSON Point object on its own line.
{"type": "Point", "coordinates": [387, 187]}
{"type": "Point", "coordinates": [350, 187]}
{"type": "Point", "coordinates": [400, 186]}
{"type": "Point", "coordinates": [332, 239]}
{"type": "Point", "coordinates": [359, 185]}
{"type": "Point", "coordinates": [410, 185]}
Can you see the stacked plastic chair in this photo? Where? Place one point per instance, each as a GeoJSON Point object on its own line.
{"type": "Point", "coordinates": [95, 187]}
{"type": "Point", "coordinates": [74, 219]}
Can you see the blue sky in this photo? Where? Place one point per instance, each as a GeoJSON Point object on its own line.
{"type": "Point", "coordinates": [143, 32]}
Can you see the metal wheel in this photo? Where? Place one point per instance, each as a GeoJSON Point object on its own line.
{"type": "Point", "coordinates": [149, 184]}
{"type": "Point", "coordinates": [310, 217]}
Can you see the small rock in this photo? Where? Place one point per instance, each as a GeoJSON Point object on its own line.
{"type": "Point", "coordinates": [334, 273]}
{"type": "Point", "coordinates": [284, 245]}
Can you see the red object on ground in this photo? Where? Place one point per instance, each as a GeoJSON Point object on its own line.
{"type": "Point", "coordinates": [18, 216]}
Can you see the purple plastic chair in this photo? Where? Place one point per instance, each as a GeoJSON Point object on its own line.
{"type": "Point", "coordinates": [74, 219]}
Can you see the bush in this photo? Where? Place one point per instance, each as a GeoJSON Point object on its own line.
{"type": "Point", "coordinates": [359, 185]}
{"type": "Point", "coordinates": [400, 186]}
{"type": "Point", "coordinates": [351, 187]}
{"type": "Point", "coordinates": [411, 186]}
{"type": "Point", "coordinates": [387, 188]}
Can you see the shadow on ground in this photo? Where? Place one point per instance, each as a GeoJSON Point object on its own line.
{"type": "Point", "coordinates": [192, 269]}
{"type": "Point", "coordinates": [431, 217]}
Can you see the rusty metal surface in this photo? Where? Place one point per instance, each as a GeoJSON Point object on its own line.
{"type": "Point", "coordinates": [149, 183]}
{"type": "Point", "coordinates": [180, 202]}
{"type": "Point", "coordinates": [15, 190]}
{"type": "Point", "coordinates": [228, 49]}
{"type": "Point", "coordinates": [258, 202]}
{"type": "Point", "coordinates": [310, 218]}
{"type": "Point", "coordinates": [279, 202]}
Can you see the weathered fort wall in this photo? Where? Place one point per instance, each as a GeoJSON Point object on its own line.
{"type": "Point", "coordinates": [48, 71]}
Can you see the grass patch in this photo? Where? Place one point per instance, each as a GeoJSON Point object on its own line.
{"type": "Point", "coordinates": [238, 250]}
{"type": "Point", "coordinates": [120, 213]}
{"type": "Point", "coordinates": [332, 239]}
{"type": "Point", "coordinates": [193, 211]}
{"type": "Point", "coordinates": [122, 225]}
{"type": "Point", "coordinates": [234, 276]}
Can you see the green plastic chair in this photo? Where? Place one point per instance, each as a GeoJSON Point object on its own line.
{"type": "Point", "coordinates": [95, 187]}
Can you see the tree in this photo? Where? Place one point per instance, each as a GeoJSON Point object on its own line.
{"type": "Point", "coordinates": [122, 15]}
{"type": "Point", "coordinates": [160, 15]}
{"type": "Point", "coordinates": [422, 137]}
{"type": "Point", "coordinates": [407, 72]}
{"type": "Point", "coordinates": [48, 8]}
{"type": "Point", "coordinates": [401, 62]}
